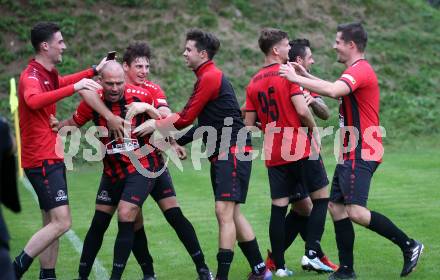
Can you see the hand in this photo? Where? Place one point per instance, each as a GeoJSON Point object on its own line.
{"type": "Point", "coordinates": [146, 128]}
{"type": "Point", "coordinates": [309, 98]}
{"type": "Point", "coordinates": [180, 151]}
{"type": "Point", "coordinates": [53, 123]}
{"type": "Point", "coordinates": [288, 71]}
{"type": "Point", "coordinates": [299, 69]}
{"type": "Point", "coordinates": [136, 108]}
{"type": "Point", "coordinates": [116, 126]}
{"type": "Point", "coordinates": [87, 84]}
{"type": "Point", "coordinates": [101, 64]}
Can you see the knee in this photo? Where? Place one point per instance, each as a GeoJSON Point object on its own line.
{"type": "Point", "coordinates": [63, 225]}
{"type": "Point", "coordinates": [303, 207]}
{"type": "Point", "coordinates": [224, 215]}
{"type": "Point", "coordinates": [358, 214]}
{"type": "Point", "coordinates": [127, 214]}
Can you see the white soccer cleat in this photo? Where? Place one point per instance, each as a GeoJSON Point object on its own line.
{"type": "Point", "coordinates": [314, 265]}
{"type": "Point", "coordinates": [283, 272]}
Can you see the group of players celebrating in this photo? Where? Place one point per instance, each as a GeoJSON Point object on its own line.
{"type": "Point", "coordinates": [280, 99]}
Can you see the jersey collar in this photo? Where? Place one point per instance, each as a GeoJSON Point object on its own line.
{"type": "Point", "coordinates": [204, 67]}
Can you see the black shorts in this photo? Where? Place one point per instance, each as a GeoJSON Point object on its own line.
{"type": "Point", "coordinates": [285, 180]}
{"type": "Point", "coordinates": [230, 178]}
{"type": "Point", "coordinates": [49, 182]}
{"type": "Point", "coordinates": [351, 182]}
{"type": "Point", "coordinates": [134, 188]}
{"type": "Point", "coordinates": [315, 178]}
{"type": "Point", "coordinates": [163, 187]}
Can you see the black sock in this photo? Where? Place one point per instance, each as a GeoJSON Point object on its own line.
{"type": "Point", "coordinates": [141, 252]}
{"type": "Point", "coordinates": [187, 235]}
{"type": "Point", "coordinates": [295, 224]}
{"type": "Point", "coordinates": [47, 273]}
{"type": "Point", "coordinates": [385, 227]}
{"type": "Point", "coordinates": [93, 242]}
{"type": "Point", "coordinates": [345, 240]}
{"type": "Point", "coordinates": [224, 260]}
{"type": "Point", "coordinates": [252, 253]}
{"type": "Point", "coordinates": [21, 264]}
{"type": "Point", "coordinates": [122, 249]}
{"type": "Point", "coordinates": [277, 222]}
{"type": "Point", "coordinates": [303, 220]}
{"type": "Point", "coordinates": [315, 226]}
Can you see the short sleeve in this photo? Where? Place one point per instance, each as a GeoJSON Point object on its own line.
{"type": "Point", "coordinates": [353, 77]}
{"type": "Point", "coordinates": [294, 89]}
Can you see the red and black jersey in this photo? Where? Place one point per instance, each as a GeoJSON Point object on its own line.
{"type": "Point", "coordinates": [116, 163]}
{"type": "Point", "coordinates": [360, 109]}
{"type": "Point", "coordinates": [158, 93]}
{"type": "Point", "coordinates": [38, 91]}
{"type": "Point", "coordinates": [213, 102]}
{"type": "Point", "coordinates": [269, 95]}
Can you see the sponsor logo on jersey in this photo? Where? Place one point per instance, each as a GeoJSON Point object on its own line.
{"type": "Point", "coordinates": [127, 145]}
{"type": "Point", "coordinates": [61, 195]}
{"type": "Point", "coordinates": [103, 196]}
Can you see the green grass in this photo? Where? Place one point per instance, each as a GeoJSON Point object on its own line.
{"type": "Point", "coordinates": [404, 188]}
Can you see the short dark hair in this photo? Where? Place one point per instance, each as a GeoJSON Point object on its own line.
{"type": "Point", "coordinates": [43, 32]}
{"type": "Point", "coordinates": [269, 37]}
{"type": "Point", "coordinates": [298, 47]}
{"type": "Point", "coordinates": [354, 32]}
{"type": "Point", "coordinates": [135, 50]}
{"type": "Point", "coordinates": [205, 41]}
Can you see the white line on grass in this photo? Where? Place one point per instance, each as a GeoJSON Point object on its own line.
{"type": "Point", "coordinates": [100, 272]}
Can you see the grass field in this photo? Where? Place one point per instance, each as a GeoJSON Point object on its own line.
{"type": "Point", "coordinates": [405, 188]}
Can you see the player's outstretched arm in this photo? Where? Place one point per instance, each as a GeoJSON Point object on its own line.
{"type": "Point", "coordinates": [322, 87]}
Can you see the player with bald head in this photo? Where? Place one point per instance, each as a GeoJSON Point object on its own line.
{"type": "Point", "coordinates": [122, 187]}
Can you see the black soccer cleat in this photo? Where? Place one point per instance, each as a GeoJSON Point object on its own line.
{"type": "Point", "coordinates": [342, 273]}
{"type": "Point", "coordinates": [411, 257]}
{"type": "Point", "coordinates": [149, 277]}
{"type": "Point", "coordinates": [205, 274]}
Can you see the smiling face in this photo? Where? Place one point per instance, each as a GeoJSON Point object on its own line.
{"type": "Point", "coordinates": [342, 48]}
{"type": "Point", "coordinates": [113, 83]}
{"type": "Point", "coordinates": [193, 57]}
{"type": "Point", "coordinates": [55, 47]}
{"type": "Point", "coordinates": [137, 72]}
{"type": "Point", "coordinates": [308, 60]}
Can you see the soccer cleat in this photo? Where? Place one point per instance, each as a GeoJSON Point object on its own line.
{"type": "Point", "coordinates": [314, 265]}
{"type": "Point", "coordinates": [411, 257]}
{"type": "Point", "coordinates": [149, 277]}
{"type": "Point", "coordinates": [270, 264]}
{"type": "Point", "coordinates": [341, 273]}
{"type": "Point", "coordinates": [283, 272]}
{"type": "Point", "coordinates": [325, 260]}
{"type": "Point", "coordinates": [267, 275]}
{"type": "Point", "coordinates": [205, 274]}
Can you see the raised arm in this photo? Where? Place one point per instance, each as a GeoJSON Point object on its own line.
{"type": "Point", "coordinates": [322, 87]}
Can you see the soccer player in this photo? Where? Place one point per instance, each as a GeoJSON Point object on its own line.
{"type": "Point", "coordinates": [136, 65]}
{"type": "Point", "coordinates": [40, 87]}
{"type": "Point", "coordinates": [122, 187]}
{"type": "Point", "coordinates": [297, 219]}
{"type": "Point", "coordinates": [214, 103]}
{"type": "Point", "coordinates": [282, 109]}
{"type": "Point", "coordinates": [358, 91]}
